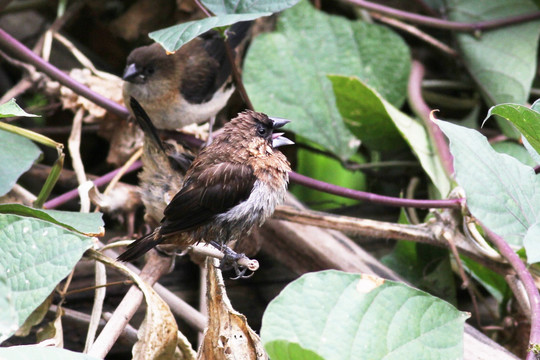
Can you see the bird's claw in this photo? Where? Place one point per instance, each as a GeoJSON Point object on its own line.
{"type": "Point", "coordinates": [230, 261]}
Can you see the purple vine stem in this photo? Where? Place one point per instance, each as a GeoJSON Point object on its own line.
{"type": "Point", "coordinates": [365, 196]}
{"type": "Point", "coordinates": [7, 42]}
{"type": "Point", "coordinates": [417, 103]}
{"type": "Point", "coordinates": [11, 45]}
{"type": "Point", "coordinates": [72, 194]}
{"type": "Point", "coordinates": [528, 283]}
{"type": "Point", "coordinates": [445, 24]}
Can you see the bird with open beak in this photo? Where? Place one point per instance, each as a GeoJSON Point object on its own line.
{"type": "Point", "coordinates": [189, 86]}
{"type": "Point", "coordinates": [232, 185]}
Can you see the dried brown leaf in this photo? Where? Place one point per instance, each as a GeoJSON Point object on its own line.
{"type": "Point", "coordinates": [52, 331]}
{"type": "Point", "coordinates": [228, 335]}
{"type": "Point", "coordinates": [158, 331]}
{"type": "Point", "coordinates": [109, 86]}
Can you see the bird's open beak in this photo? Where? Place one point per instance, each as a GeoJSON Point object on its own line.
{"type": "Point", "coordinates": [130, 73]}
{"type": "Point", "coordinates": [279, 140]}
{"type": "Point", "coordinates": [279, 122]}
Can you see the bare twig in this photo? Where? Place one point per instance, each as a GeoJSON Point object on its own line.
{"type": "Point", "coordinates": [152, 271]}
{"type": "Point", "coordinates": [423, 111]}
{"type": "Point", "coordinates": [413, 30]}
{"type": "Point", "coordinates": [97, 307]}
{"type": "Point", "coordinates": [237, 77]}
{"type": "Point", "coordinates": [528, 283]}
{"type": "Point", "coordinates": [70, 195]}
{"type": "Point", "coordinates": [207, 250]}
{"type": "Point", "coordinates": [8, 43]}
{"type": "Point", "coordinates": [445, 24]}
{"type": "Point", "coordinates": [432, 233]}
{"type": "Point", "coordinates": [373, 198]}
{"type": "Point", "coordinates": [519, 292]}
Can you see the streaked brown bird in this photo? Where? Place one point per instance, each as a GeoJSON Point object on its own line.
{"type": "Point", "coordinates": [232, 185]}
{"type": "Point", "coordinates": [190, 86]}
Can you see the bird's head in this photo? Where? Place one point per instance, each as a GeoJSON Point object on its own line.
{"type": "Point", "coordinates": [260, 128]}
{"type": "Point", "coordinates": [146, 63]}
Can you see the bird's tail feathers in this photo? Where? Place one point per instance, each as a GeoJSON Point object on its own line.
{"type": "Point", "coordinates": [145, 123]}
{"type": "Point", "coordinates": [141, 246]}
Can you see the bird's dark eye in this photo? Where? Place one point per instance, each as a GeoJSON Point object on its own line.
{"type": "Point", "coordinates": [262, 131]}
{"type": "Point", "coordinates": [149, 70]}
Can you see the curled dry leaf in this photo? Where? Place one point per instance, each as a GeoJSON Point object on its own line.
{"type": "Point", "coordinates": [109, 86]}
{"type": "Point", "coordinates": [52, 332]}
{"type": "Point", "coordinates": [158, 331]}
{"type": "Point", "coordinates": [228, 336]}
{"type": "Point", "coordinates": [123, 136]}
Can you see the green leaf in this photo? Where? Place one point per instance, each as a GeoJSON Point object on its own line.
{"type": "Point", "coordinates": [306, 46]}
{"type": "Point", "coordinates": [424, 266]}
{"type": "Point", "coordinates": [493, 282]}
{"type": "Point", "coordinates": [531, 242]}
{"type": "Point", "coordinates": [533, 153]}
{"type": "Point", "coordinates": [501, 191]}
{"type": "Point", "coordinates": [35, 256]}
{"type": "Point", "coordinates": [11, 109]}
{"type": "Point", "coordinates": [90, 224]}
{"type": "Point", "coordinates": [515, 150]}
{"type": "Point", "coordinates": [501, 61]}
{"type": "Point", "coordinates": [220, 7]}
{"type": "Point", "coordinates": [8, 317]}
{"type": "Point", "coordinates": [36, 352]}
{"type": "Point", "coordinates": [172, 38]}
{"type": "Point", "coordinates": [364, 114]}
{"type": "Point", "coordinates": [17, 154]}
{"type": "Point", "coordinates": [526, 120]}
{"type": "Point", "coordinates": [336, 315]}
{"type": "Point", "coordinates": [325, 168]}
{"type": "Point", "coordinates": [369, 103]}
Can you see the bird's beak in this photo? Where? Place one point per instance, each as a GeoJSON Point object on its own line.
{"type": "Point", "coordinates": [279, 122]}
{"type": "Point", "coordinates": [279, 140]}
{"type": "Point", "coordinates": [130, 73]}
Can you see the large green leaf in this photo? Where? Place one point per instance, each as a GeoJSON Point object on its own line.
{"type": "Point", "coordinates": [36, 352]}
{"type": "Point", "coordinates": [337, 315]}
{"type": "Point", "coordinates": [365, 115]}
{"type": "Point", "coordinates": [515, 150]}
{"type": "Point", "coordinates": [493, 282]}
{"type": "Point", "coordinates": [220, 7]}
{"type": "Point", "coordinates": [502, 61]}
{"type": "Point", "coordinates": [285, 72]}
{"type": "Point", "coordinates": [172, 38]}
{"type": "Point", "coordinates": [426, 267]}
{"type": "Point", "coordinates": [325, 168]}
{"type": "Point", "coordinates": [11, 109]}
{"type": "Point", "coordinates": [35, 256]}
{"type": "Point", "coordinates": [526, 120]}
{"type": "Point", "coordinates": [502, 192]}
{"type": "Point", "coordinates": [8, 319]}
{"type": "Point", "coordinates": [362, 108]}
{"type": "Point", "coordinates": [90, 224]}
{"type": "Point", "coordinates": [17, 154]}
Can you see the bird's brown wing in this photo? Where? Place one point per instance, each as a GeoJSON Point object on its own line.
{"type": "Point", "coordinates": [206, 194]}
{"type": "Point", "coordinates": [209, 67]}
